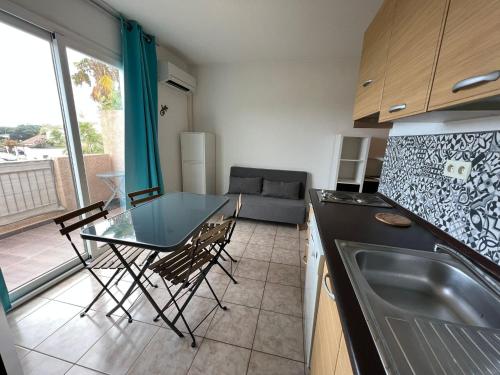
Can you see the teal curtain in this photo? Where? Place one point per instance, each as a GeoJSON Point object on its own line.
{"type": "Point", "coordinates": [142, 161]}
{"type": "Point", "coordinates": [4, 294]}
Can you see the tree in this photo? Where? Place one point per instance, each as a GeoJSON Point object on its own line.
{"type": "Point", "coordinates": [104, 80]}
{"type": "Point", "coordinates": [23, 132]}
{"type": "Point", "coordinates": [56, 138]}
{"type": "Point", "coordinates": [90, 139]}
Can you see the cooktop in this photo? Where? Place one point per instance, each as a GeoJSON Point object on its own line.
{"type": "Point", "coordinates": [347, 197]}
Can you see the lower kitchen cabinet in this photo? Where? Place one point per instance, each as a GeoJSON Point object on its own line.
{"type": "Point", "coordinates": [329, 351]}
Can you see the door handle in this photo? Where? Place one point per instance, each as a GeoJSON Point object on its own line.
{"type": "Point", "coordinates": [325, 284]}
{"type": "Point", "coordinates": [476, 80]}
{"type": "Point", "coordinates": [367, 83]}
{"type": "Point", "coordinates": [397, 107]}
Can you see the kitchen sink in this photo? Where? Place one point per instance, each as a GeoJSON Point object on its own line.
{"type": "Point", "coordinates": [427, 311]}
{"type": "Point", "coordinates": [428, 287]}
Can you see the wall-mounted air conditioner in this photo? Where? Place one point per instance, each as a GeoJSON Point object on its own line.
{"type": "Point", "coordinates": [176, 77]}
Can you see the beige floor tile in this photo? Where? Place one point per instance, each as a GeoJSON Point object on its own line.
{"type": "Point", "coordinates": [236, 249]}
{"type": "Point", "coordinates": [71, 341]}
{"type": "Point", "coordinates": [247, 292]}
{"type": "Point", "coordinates": [235, 326]}
{"type": "Point", "coordinates": [284, 274]}
{"type": "Point", "coordinates": [25, 309]}
{"type": "Point", "coordinates": [288, 231]}
{"type": "Point", "coordinates": [282, 256]}
{"type": "Point", "coordinates": [36, 327]}
{"type": "Point", "coordinates": [195, 311]}
{"type": "Point", "coordinates": [286, 243]}
{"type": "Point", "coordinates": [83, 292]}
{"type": "Point", "coordinates": [267, 364]}
{"type": "Point", "coordinates": [35, 364]}
{"type": "Point", "coordinates": [279, 334]}
{"type": "Point", "coordinates": [228, 264]}
{"type": "Point", "coordinates": [282, 299]}
{"type": "Point", "coordinates": [252, 269]}
{"type": "Point", "coordinates": [262, 239]}
{"type": "Point", "coordinates": [241, 237]}
{"type": "Point", "coordinates": [65, 285]}
{"type": "Point", "coordinates": [258, 252]}
{"type": "Point", "coordinates": [166, 353]}
{"type": "Point", "coordinates": [265, 229]}
{"type": "Point", "coordinates": [217, 358]}
{"type": "Point", "coordinates": [21, 352]}
{"type": "Point", "coordinates": [218, 282]}
{"type": "Point", "coordinates": [120, 346]}
{"type": "Point", "coordinates": [79, 370]}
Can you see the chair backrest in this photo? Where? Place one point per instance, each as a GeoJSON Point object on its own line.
{"type": "Point", "coordinates": [67, 228]}
{"type": "Point", "coordinates": [151, 193]}
{"type": "Point", "coordinates": [233, 220]}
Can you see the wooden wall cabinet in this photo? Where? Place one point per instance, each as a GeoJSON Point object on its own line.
{"type": "Point", "coordinates": [470, 49]}
{"type": "Point", "coordinates": [373, 63]}
{"type": "Point", "coordinates": [329, 352]}
{"type": "Point", "coordinates": [413, 50]}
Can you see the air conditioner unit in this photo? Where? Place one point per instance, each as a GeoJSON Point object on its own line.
{"type": "Point", "coordinates": [176, 77]}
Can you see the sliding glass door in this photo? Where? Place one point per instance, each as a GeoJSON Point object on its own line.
{"type": "Point", "coordinates": [97, 94]}
{"type": "Point", "coordinates": [61, 147]}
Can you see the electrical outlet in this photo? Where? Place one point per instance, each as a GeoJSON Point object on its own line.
{"type": "Point", "coordinates": [457, 169]}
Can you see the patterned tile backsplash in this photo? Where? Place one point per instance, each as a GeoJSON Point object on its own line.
{"type": "Point", "coordinates": [467, 210]}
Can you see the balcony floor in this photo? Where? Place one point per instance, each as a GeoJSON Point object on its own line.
{"type": "Point", "coordinates": [33, 252]}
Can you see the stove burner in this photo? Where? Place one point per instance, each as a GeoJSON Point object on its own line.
{"type": "Point", "coordinates": [361, 199]}
{"type": "Point", "coordinates": [340, 196]}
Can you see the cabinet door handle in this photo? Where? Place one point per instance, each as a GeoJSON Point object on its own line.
{"type": "Point", "coordinates": [476, 80]}
{"type": "Point", "coordinates": [325, 284]}
{"type": "Point", "coordinates": [304, 260]}
{"type": "Point", "coordinates": [367, 83]}
{"type": "Point", "coordinates": [397, 108]}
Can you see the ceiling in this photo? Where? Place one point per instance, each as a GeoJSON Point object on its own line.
{"type": "Point", "coordinates": [228, 31]}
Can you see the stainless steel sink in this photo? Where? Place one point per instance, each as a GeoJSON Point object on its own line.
{"type": "Point", "coordinates": [427, 312]}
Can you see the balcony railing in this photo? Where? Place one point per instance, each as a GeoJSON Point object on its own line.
{"type": "Point", "coordinates": [27, 188]}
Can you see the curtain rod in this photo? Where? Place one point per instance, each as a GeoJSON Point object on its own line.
{"type": "Point", "coordinates": [105, 7]}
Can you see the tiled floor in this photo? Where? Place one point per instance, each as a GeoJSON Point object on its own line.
{"type": "Point", "coordinates": [260, 333]}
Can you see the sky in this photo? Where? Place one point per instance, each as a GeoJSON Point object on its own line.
{"type": "Point", "coordinates": [28, 91]}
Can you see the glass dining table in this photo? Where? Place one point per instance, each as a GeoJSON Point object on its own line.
{"type": "Point", "coordinates": [161, 225]}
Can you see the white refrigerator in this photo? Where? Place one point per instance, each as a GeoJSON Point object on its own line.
{"type": "Point", "coordinates": [198, 162]}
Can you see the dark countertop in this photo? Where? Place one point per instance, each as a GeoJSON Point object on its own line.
{"type": "Point", "coordinates": [357, 223]}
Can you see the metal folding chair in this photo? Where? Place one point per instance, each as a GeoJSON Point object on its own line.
{"type": "Point", "coordinates": [107, 260]}
{"type": "Point", "coordinates": [151, 193]}
{"type": "Point", "coordinates": [187, 267]}
{"type": "Point", "coordinates": [233, 220]}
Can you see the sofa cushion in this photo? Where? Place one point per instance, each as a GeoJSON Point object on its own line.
{"type": "Point", "coordinates": [281, 189]}
{"type": "Point", "coordinates": [258, 207]}
{"type": "Point", "coordinates": [245, 185]}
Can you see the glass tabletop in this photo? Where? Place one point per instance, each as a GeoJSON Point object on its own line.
{"type": "Point", "coordinates": [162, 224]}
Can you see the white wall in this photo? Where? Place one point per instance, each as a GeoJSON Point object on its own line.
{"type": "Point", "coordinates": [277, 115]}
{"type": "Point", "coordinates": [169, 128]}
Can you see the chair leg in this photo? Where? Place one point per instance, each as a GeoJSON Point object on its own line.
{"type": "Point", "coordinates": [227, 273]}
{"type": "Point", "coordinates": [229, 255]}
{"type": "Point", "coordinates": [193, 343]}
{"type": "Point", "coordinates": [215, 295]}
{"type": "Point", "coordinates": [146, 277]}
{"type": "Point", "coordinates": [105, 288]}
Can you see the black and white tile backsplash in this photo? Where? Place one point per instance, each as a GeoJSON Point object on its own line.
{"type": "Point", "coordinates": [469, 210]}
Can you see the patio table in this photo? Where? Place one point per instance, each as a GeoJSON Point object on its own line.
{"type": "Point", "coordinates": [161, 225]}
{"type": "Point", "coordinates": [114, 181]}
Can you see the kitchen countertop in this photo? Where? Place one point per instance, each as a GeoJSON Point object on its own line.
{"type": "Point", "coordinates": [357, 223]}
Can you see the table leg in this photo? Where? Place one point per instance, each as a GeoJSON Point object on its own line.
{"type": "Point", "coordinates": [137, 280]}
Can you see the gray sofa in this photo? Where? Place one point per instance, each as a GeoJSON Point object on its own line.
{"type": "Point", "coordinates": [267, 202]}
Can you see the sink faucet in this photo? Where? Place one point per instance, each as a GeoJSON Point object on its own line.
{"type": "Point", "coordinates": [491, 283]}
